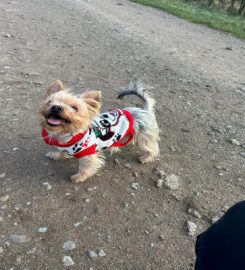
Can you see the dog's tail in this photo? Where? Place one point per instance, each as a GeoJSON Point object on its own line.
{"type": "Point", "coordinates": [139, 89]}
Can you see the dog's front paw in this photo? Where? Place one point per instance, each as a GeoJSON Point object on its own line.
{"type": "Point", "coordinates": [77, 178]}
{"type": "Point", "coordinates": [53, 155]}
{"type": "Point", "coordinates": [146, 159]}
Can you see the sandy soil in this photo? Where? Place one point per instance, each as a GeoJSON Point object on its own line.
{"type": "Point", "coordinates": [198, 75]}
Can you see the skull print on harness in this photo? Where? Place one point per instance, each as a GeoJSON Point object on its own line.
{"type": "Point", "coordinates": [109, 127]}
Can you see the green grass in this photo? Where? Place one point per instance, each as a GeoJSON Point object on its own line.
{"type": "Point", "coordinates": [198, 14]}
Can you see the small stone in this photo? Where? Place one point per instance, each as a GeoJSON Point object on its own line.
{"type": "Point", "coordinates": [69, 245]}
{"type": "Point", "coordinates": [15, 149]}
{"type": "Point", "coordinates": [87, 200]}
{"type": "Point", "coordinates": [191, 228]}
{"type": "Point", "coordinates": [77, 224]}
{"type": "Point", "coordinates": [2, 175]}
{"type": "Point", "coordinates": [214, 219]}
{"type": "Point", "coordinates": [146, 233]}
{"type": "Point", "coordinates": [7, 35]}
{"type": "Point", "coordinates": [92, 254]}
{"type": "Point", "coordinates": [161, 237]}
{"type": "Point", "coordinates": [160, 173]}
{"type": "Point", "coordinates": [38, 83]}
{"type": "Point", "coordinates": [151, 244]}
{"type": "Point", "coordinates": [159, 183]}
{"type": "Point", "coordinates": [235, 142]}
{"type": "Point", "coordinates": [125, 205]}
{"type": "Point", "coordinates": [91, 188]}
{"type": "Point", "coordinates": [127, 165]}
{"type": "Point", "coordinates": [101, 252]}
{"type": "Point", "coordinates": [31, 251]}
{"type": "Point", "coordinates": [4, 198]}
{"type": "Point", "coordinates": [1, 250]}
{"type": "Point", "coordinates": [213, 141]}
{"type": "Point", "coordinates": [28, 203]}
{"type": "Point", "coordinates": [47, 185]}
{"type": "Point", "coordinates": [172, 182]}
{"type": "Point", "coordinates": [42, 229]}
{"type": "Point", "coordinates": [67, 261]}
{"type": "Point", "coordinates": [16, 238]}
{"type": "Point", "coordinates": [228, 48]}
{"type": "Point", "coordinates": [136, 174]}
{"type": "Point", "coordinates": [194, 213]}
{"type": "Point", "coordinates": [242, 154]}
{"type": "Point", "coordinates": [135, 186]}
{"type": "Point", "coordinates": [1, 219]}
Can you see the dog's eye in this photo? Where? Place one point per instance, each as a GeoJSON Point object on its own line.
{"type": "Point", "coordinates": [49, 102]}
{"type": "Point", "coordinates": [74, 108]}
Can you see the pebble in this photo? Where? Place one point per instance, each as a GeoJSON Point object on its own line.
{"type": "Point", "coordinates": [191, 228]}
{"type": "Point", "coordinates": [47, 185]}
{"type": "Point", "coordinates": [235, 142]}
{"type": "Point", "coordinates": [101, 252]}
{"type": "Point", "coordinates": [2, 175]}
{"type": "Point", "coordinates": [92, 254]}
{"type": "Point", "coordinates": [92, 188]}
{"type": "Point", "coordinates": [194, 213]}
{"type": "Point", "coordinates": [1, 250]}
{"type": "Point", "coordinates": [161, 237]}
{"type": "Point", "coordinates": [69, 245]}
{"type": "Point", "coordinates": [42, 229]}
{"type": "Point", "coordinates": [116, 161]}
{"type": "Point", "coordinates": [127, 165]}
{"type": "Point", "coordinates": [67, 261]}
{"type": "Point", "coordinates": [160, 173]}
{"type": "Point", "coordinates": [136, 174]}
{"type": "Point", "coordinates": [7, 35]}
{"type": "Point", "coordinates": [242, 154]}
{"type": "Point", "coordinates": [172, 182]}
{"type": "Point", "coordinates": [214, 141]}
{"type": "Point", "coordinates": [31, 251]}
{"type": "Point", "coordinates": [214, 219]}
{"type": "Point", "coordinates": [159, 183]}
{"type": "Point", "coordinates": [77, 224]}
{"type": "Point", "coordinates": [4, 198]}
{"type": "Point", "coordinates": [87, 200]}
{"type": "Point", "coordinates": [16, 238]}
{"type": "Point", "coordinates": [135, 186]}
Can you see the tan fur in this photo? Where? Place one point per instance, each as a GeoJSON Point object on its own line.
{"type": "Point", "coordinates": [87, 107]}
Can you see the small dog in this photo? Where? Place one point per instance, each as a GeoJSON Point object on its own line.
{"type": "Point", "coordinates": [74, 124]}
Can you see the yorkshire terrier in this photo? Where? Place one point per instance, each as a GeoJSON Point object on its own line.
{"type": "Point", "coordinates": [74, 124]}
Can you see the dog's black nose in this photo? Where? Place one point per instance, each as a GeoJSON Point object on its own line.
{"type": "Point", "coordinates": [56, 109]}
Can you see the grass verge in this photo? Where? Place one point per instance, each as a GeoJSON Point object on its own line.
{"type": "Point", "coordinates": [199, 14]}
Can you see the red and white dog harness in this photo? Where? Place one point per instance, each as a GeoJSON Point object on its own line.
{"type": "Point", "coordinates": [108, 129]}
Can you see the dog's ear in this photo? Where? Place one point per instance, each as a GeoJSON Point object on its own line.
{"type": "Point", "coordinates": [55, 87]}
{"type": "Point", "coordinates": [93, 99]}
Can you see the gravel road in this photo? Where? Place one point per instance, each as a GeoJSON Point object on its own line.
{"type": "Point", "coordinates": [106, 223]}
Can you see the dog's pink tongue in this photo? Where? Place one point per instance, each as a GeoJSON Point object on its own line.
{"type": "Point", "coordinates": [54, 121]}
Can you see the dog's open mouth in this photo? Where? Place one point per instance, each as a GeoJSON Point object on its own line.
{"type": "Point", "coordinates": [56, 121]}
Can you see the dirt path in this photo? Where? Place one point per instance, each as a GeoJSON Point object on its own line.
{"type": "Point", "coordinates": [199, 82]}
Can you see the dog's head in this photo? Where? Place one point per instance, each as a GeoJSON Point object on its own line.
{"type": "Point", "coordinates": [65, 113]}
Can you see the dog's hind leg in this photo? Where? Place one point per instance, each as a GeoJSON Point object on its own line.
{"type": "Point", "coordinates": [149, 144]}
